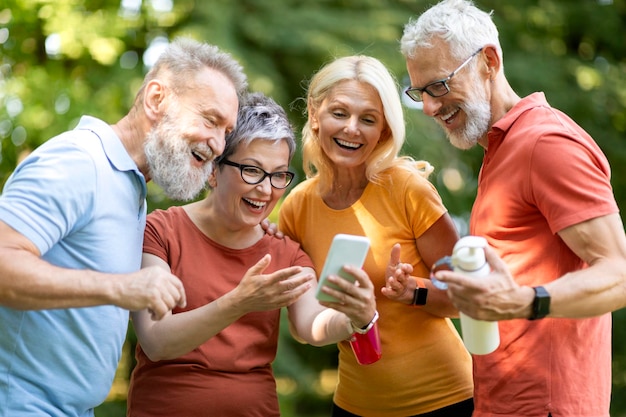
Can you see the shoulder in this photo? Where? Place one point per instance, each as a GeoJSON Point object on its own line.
{"type": "Point", "coordinates": [165, 232]}
{"type": "Point", "coordinates": [281, 244]}
{"type": "Point", "coordinates": [537, 119]}
{"type": "Point", "coordinates": [68, 150]}
{"type": "Point", "coordinates": [400, 179]}
{"type": "Point", "coordinates": [168, 218]}
{"type": "Point", "coordinates": [407, 192]}
{"type": "Point", "coordinates": [53, 191]}
{"type": "Point", "coordinates": [303, 189]}
{"type": "Point", "coordinates": [301, 195]}
{"type": "Point", "coordinates": [59, 170]}
{"type": "Point", "coordinates": [287, 251]}
{"type": "Point", "coordinates": [559, 141]}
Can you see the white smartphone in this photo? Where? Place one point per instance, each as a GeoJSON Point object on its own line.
{"type": "Point", "coordinates": [344, 250]}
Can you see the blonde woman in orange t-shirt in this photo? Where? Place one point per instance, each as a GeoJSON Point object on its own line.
{"type": "Point", "coordinates": [357, 184]}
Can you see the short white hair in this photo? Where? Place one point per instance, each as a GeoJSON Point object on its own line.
{"type": "Point", "coordinates": [459, 23]}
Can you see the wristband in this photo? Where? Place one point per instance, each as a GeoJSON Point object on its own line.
{"type": "Point", "coordinates": [420, 294]}
{"type": "Point", "coordinates": [367, 327]}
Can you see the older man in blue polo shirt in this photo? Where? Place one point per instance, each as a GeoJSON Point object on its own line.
{"type": "Point", "coordinates": [71, 227]}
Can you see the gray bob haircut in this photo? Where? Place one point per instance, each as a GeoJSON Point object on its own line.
{"type": "Point", "coordinates": [459, 23]}
{"type": "Point", "coordinates": [183, 58]}
{"type": "Point", "coordinates": [259, 117]}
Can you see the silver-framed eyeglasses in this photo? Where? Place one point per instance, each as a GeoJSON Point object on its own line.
{"type": "Point", "coordinates": [437, 88]}
{"type": "Point", "coordinates": [253, 175]}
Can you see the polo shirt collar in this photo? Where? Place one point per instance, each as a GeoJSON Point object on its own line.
{"type": "Point", "coordinates": [499, 129]}
{"type": "Point", "coordinates": [111, 143]}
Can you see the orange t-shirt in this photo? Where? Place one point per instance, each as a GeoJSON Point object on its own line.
{"type": "Point", "coordinates": [424, 365]}
{"type": "Point", "coordinates": [230, 374]}
{"type": "Point", "coordinates": [542, 173]}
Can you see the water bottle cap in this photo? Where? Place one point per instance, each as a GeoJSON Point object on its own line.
{"type": "Point", "coordinates": [469, 253]}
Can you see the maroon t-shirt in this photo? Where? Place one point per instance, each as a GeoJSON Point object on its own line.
{"type": "Point", "coordinates": [230, 374]}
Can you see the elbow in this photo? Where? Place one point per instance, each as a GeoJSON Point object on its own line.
{"type": "Point", "coordinates": [158, 352]}
{"type": "Point", "coordinates": [309, 336]}
{"type": "Point", "coordinates": [316, 342]}
{"type": "Point", "coordinates": [304, 338]}
{"type": "Point", "coordinates": [155, 355]}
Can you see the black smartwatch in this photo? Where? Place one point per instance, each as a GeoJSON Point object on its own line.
{"type": "Point", "coordinates": [541, 304]}
{"type": "Point", "coordinates": [420, 294]}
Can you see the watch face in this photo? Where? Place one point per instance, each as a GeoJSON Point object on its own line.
{"type": "Point", "coordinates": [541, 303]}
{"type": "Point", "coordinates": [419, 296]}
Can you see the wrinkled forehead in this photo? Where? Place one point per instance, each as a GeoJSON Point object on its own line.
{"type": "Point", "coordinates": [429, 63]}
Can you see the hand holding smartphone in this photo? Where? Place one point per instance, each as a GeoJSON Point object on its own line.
{"type": "Point", "coordinates": [344, 250]}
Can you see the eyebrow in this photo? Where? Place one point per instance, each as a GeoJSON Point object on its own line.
{"type": "Point", "coordinates": [252, 161]}
{"type": "Point", "coordinates": [210, 111]}
{"type": "Point", "coordinates": [220, 117]}
{"type": "Point", "coordinates": [341, 103]}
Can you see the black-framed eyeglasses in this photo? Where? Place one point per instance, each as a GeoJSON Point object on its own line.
{"type": "Point", "coordinates": [253, 175]}
{"type": "Point", "coordinates": [437, 88]}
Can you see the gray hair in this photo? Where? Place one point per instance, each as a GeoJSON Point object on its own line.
{"type": "Point", "coordinates": [259, 117]}
{"type": "Point", "coordinates": [459, 23]}
{"type": "Point", "coordinates": [185, 57]}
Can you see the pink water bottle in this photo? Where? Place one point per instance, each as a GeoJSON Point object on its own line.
{"type": "Point", "coordinates": [365, 343]}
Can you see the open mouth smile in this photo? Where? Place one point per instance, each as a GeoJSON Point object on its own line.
{"type": "Point", "coordinates": [200, 157]}
{"type": "Point", "coordinates": [255, 204]}
{"type": "Point", "coordinates": [446, 118]}
{"type": "Point", "coordinates": [347, 145]}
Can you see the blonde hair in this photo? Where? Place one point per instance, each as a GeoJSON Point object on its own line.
{"type": "Point", "coordinates": [368, 70]}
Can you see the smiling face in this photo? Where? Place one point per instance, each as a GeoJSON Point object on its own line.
{"type": "Point", "coordinates": [465, 112]}
{"type": "Point", "coordinates": [349, 123]}
{"type": "Point", "coordinates": [190, 134]}
{"type": "Point", "coordinates": [245, 205]}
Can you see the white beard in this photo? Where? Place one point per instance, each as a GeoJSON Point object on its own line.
{"type": "Point", "coordinates": [168, 153]}
{"type": "Point", "coordinates": [478, 113]}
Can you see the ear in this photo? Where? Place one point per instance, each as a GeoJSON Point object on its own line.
{"type": "Point", "coordinates": [153, 101]}
{"type": "Point", "coordinates": [493, 61]}
{"type": "Point", "coordinates": [212, 181]}
{"type": "Point", "coordinates": [313, 123]}
{"type": "Point", "coordinates": [385, 134]}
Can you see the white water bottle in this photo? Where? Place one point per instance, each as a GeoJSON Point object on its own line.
{"type": "Point", "coordinates": [468, 257]}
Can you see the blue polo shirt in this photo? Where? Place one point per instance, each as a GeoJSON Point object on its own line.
{"type": "Point", "coordinates": [80, 199]}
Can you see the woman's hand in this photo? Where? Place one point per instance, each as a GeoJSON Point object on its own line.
{"type": "Point", "coordinates": [399, 285]}
{"type": "Point", "coordinates": [355, 299]}
{"type": "Point", "coordinates": [262, 292]}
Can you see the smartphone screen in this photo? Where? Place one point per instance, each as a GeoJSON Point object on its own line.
{"type": "Point", "coordinates": [344, 250]}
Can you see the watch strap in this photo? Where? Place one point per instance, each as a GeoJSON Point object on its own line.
{"type": "Point", "coordinates": [367, 327]}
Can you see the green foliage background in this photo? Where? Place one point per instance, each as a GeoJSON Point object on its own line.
{"type": "Point", "coordinates": [573, 51]}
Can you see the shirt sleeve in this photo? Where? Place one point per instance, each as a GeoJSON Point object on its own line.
{"type": "Point", "coordinates": [50, 194]}
{"type": "Point", "coordinates": [286, 216]}
{"type": "Point", "coordinates": [153, 242]}
{"type": "Point", "coordinates": [300, 257]}
{"type": "Point", "coordinates": [423, 204]}
{"type": "Point", "coordinates": [569, 181]}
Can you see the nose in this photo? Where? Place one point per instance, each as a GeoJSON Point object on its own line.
{"type": "Point", "coordinates": [217, 142]}
{"type": "Point", "coordinates": [265, 186]}
{"type": "Point", "coordinates": [430, 105]}
{"type": "Point", "coordinates": [352, 126]}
